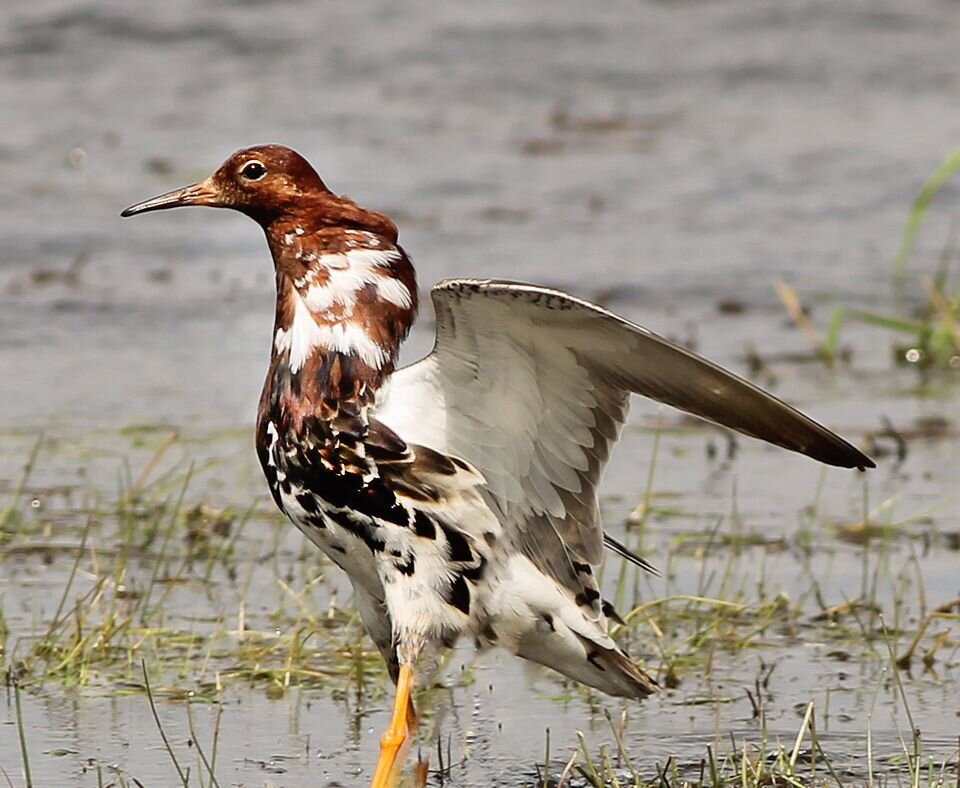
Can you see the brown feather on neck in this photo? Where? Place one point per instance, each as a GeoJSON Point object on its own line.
{"type": "Point", "coordinates": [352, 286]}
{"type": "Point", "coordinates": [324, 211]}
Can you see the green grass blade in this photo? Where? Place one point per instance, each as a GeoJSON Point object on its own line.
{"type": "Point", "coordinates": [899, 324]}
{"type": "Point", "coordinates": [921, 202]}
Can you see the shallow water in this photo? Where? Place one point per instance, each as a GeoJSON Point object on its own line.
{"type": "Point", "coordinates": [666, 157]}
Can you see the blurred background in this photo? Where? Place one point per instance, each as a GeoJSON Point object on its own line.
{"type": "Point", "coordinates": [672, 160]}
{"type": "Point", "coordinates": [673, 155]}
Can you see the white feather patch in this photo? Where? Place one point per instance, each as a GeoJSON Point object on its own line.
{"type": "Point", "coordinates": [394, 291]}
{"type": "Point", "coordinates": [349, 273]}
{"type": "Point", "coordinates": [305, 335]}
{"type": "Point", "coordinates": [301, 338]}
{"type": "Point", "coordinates": [351, 339]}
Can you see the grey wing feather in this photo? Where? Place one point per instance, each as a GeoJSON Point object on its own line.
{"type": "Point", "coordinates": [531, 386]}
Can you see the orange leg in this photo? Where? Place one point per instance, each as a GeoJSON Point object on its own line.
{"type": "Point", "coordinates": [396, 734]}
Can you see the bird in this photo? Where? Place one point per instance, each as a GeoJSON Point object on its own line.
{"type": "Point", "coordinates": [458, 493]}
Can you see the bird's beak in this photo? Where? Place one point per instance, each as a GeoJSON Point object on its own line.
{"type": "Point", "coordinates": [203, 193]}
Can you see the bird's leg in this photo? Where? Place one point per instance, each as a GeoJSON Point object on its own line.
{"type": "Point", "coordinates": [397, 731]}
{"type": "Point", "coordinates": [421, 772]}
{"type": "Point", "coordinates": [413, 719]}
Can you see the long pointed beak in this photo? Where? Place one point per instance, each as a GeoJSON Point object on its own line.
{"type": "Point", "coordinates": [203, 193]}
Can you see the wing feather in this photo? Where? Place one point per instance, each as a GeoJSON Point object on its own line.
{"type": "Point", "coordinates": [531, 386]}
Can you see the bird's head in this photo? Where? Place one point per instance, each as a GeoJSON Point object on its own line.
{"type": "Point", "coordinates": [270, 183]}
{"type": "Point", "coordinates": [263, 182]}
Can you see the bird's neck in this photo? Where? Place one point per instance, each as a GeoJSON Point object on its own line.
{"type": "Point", "coordinates": [346, 300]}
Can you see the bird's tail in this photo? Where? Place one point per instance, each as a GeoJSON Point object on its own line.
{"type": "Point", "coordinates": [538, 619]}
{"type": "Point", "coordinates": [606, 669]}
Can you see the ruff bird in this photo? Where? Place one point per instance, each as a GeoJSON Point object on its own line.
{"type": "Point", "coordinates": [459, 493]}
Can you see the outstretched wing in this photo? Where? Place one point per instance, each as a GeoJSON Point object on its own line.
{"type": "Point", "coordinates": [531, 386]}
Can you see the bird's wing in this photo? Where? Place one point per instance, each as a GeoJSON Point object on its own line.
{"type": "Point", "coordinates": [531, 386]}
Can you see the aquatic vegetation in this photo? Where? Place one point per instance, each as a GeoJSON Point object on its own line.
{"type": "Point", "coordinates": [177, 600]}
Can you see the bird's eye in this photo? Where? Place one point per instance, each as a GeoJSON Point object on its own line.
{"type": "Point", "coordinates": [253, 171]}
